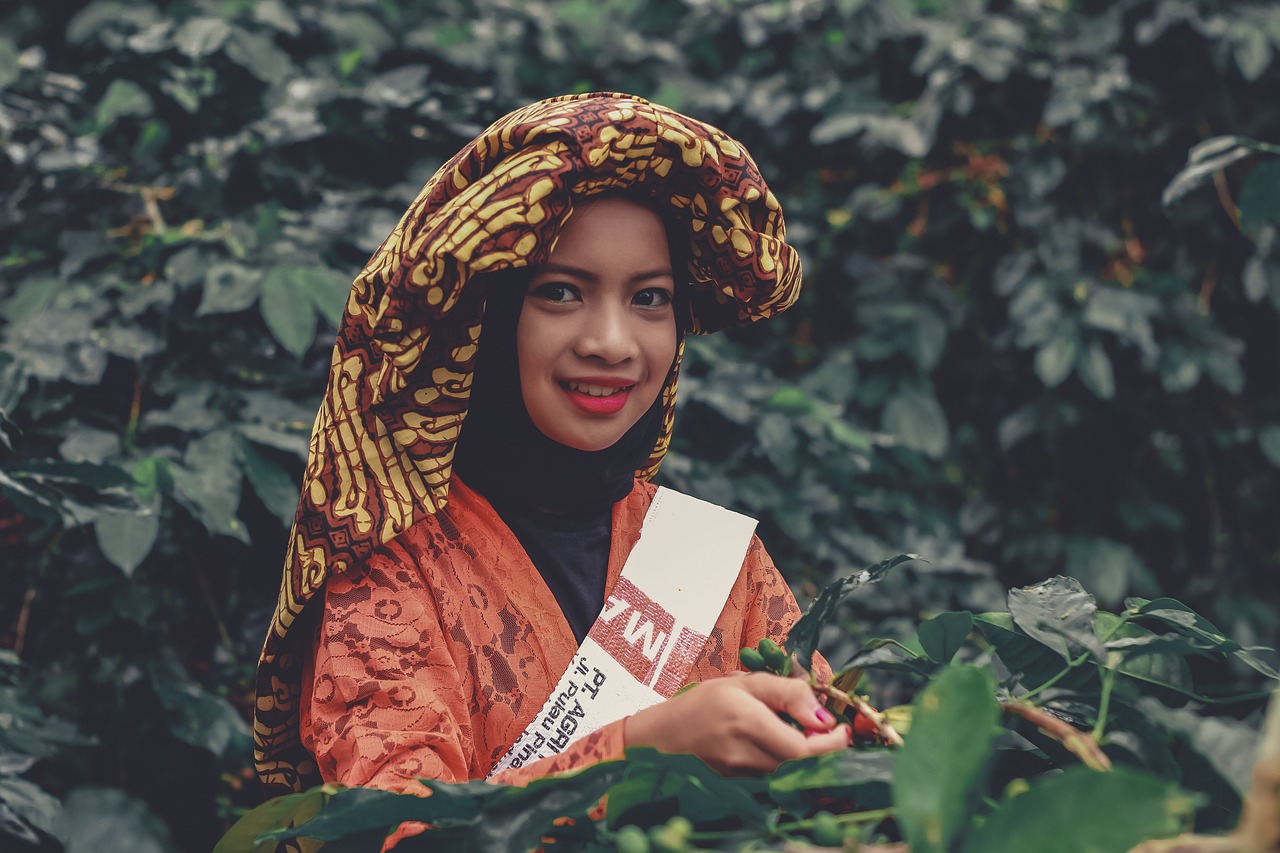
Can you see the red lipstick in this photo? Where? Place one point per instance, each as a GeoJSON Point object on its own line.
{"type": "Point", "coordinates": [612, 404]}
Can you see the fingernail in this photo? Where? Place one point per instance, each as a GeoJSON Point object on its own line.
{"type": "Point", "coordinates": [824, 715]}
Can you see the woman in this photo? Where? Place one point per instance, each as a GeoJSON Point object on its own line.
{"type": "Point", "coordinates": [460, 547]}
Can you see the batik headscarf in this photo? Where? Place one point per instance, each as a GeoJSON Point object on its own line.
{"type": "Point", "coordinates": [382, 445]}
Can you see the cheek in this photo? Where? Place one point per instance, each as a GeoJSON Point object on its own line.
{"type": "Point", "coordinates": [660, 348]}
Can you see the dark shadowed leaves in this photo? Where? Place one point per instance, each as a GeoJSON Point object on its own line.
{"type": "Point", "coordinates": [1260, 196]}
{"type": "Point", "coordinates": [1199, 631]}
{"type": "Point", "coordinates": [803, 639]}
{"type": "Point", "coordinates": [98, 819]}
{"type": "Point", "coordinates": [858, 774]}
{"type": "Point", "coordinates": [1083, 809]}
{"type": "Point", "coordinates": [469, 816]}
{"type": "Point", "coordinates": [126, 538]}
{"type": "Point", "coordinates": [942, 636]}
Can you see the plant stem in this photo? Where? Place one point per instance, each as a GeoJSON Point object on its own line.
{"type": "Point", "coordinates": [883, 726]}
{"type": "Point", "coordinates": [1083, 747]}
{"type": "Point", "coordinates": [1056, 678]}
{"type": "Point", "coordinates": [781, 829]}
{"type": "Point", "coordinates": [1108, 682]}
{"type": "Point", "coordinates": [1073, 664]}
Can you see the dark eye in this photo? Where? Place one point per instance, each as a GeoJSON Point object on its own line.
{"type": "Point", "coordinates": [652, 297]}
{"type": "Point", "coordinates": [556, 292]}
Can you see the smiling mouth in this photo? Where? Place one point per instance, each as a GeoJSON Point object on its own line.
{"type": "Point", "coordinates": [593, 390]}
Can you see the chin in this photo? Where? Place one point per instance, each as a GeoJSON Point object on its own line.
{"type": "Point", "coordinates": [586, 444]}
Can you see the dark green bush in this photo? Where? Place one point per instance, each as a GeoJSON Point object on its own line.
{"type": "Point", "coordinates": [1011, 355]}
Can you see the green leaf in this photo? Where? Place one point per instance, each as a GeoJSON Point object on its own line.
{"type": "Point", "coordinates": [860, 774]}
{"type": "Point", "coordinates": [1206, 158]}
{"type": "Point", "coordinates": [13, 385]}
{"type": "Point", "coordinates": [1182, 619]}
{"type": "Point", "coordinates": [1094, 370]}
{"type": "Point", "coordinates": [1147, 656]}
{"type": "Point", "coordinates": [127, 538]}
{"type": "Point", "coordinates": [778, 439]}
{"type": "Point", "coordinates": [288, 310]}
{"type": "Point", "coordinates": [1104, 567]}
{"type": "Point", "coordinates": [151, 475]}
{"type": "Point", "coordinates": [1031, 663]}
{"type": "Point", "coordinates": [31, 298]}
{"type": "Point", "coordinates": [469, 815]}
{"type": "Point", "coordinates": [328, 291]}
{"type": "Point", "coordinates": [803, 639]}
{"type": "Point", "coordinates": [258, 53]}
{"type": "Point", "coordinates": [289, 810]}
{"type": "Point", "coordinates": [1252, 51]}
{"type": "Point", "coordinates": [191, 412]}
{"type": "Point", "coordinates": [917, 420]}
{"type": "Point", "coordinates": [122, 98]}
{"type": "Point", "coordinates": [943, 635]}
{"type": "Point", "coordinates": [201, 36]}
{"type": "Point", "coordinates": [1260, 197]}
{"type": "Point", "coordinates": [273, 484]}
{"type": "Point", "coordinates": [10, 68]}
{"type": "Point", "coordinates": [1200, 631]}
{"type": "Point", "coordinates": [98, 819]}
{"type": "Point", "coordinates": [30, 802]}
{"type": "Point", "coordinates": [1058, 613]}
{"type": "Point", "coordinates": [1056, 358]}
{"type": "Point", "coordinates": [1228, 745]}
{"type": "Point", "coordinates": [1083, 809]}
{"type": "Point", "coordinates": [938, 773]}
{"type": "Point", "coordinates": [1269, 441]}
{"type": "Point", "coordinates": [227, 288]}
{"type": "Point", "coordinates": [209, 483]}
{"type": "Point", "coordinates": [1255, 279]}
{"type": "Point", "coordinates": [198, 717]}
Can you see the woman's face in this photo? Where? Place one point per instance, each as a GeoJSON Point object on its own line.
{"type": "Point", "coordinates": [597, 332]}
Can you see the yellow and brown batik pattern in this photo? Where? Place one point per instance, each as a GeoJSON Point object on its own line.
{"type": "Point", "coordinates": [382, 444]}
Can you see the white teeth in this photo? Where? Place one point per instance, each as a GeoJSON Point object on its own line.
{"type": "Point", "coordinates": [596, 390]}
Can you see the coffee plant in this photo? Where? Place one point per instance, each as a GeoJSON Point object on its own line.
{"type": "Point", "coordinates": [1049, 726]}
{"type": "Point", "coordinates": [1037, 338]}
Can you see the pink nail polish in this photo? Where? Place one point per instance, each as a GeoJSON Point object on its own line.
{"type": "Point", "coordinates": [824, 715]}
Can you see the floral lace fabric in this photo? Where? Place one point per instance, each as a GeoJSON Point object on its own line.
{"type": "Point", "coordinates": [434, 660]}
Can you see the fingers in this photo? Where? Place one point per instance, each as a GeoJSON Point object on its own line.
{"type": "Point", "coordinates": [777, 740]}
{"type": "Point", "coordinates": [838, 738]}
{"type": "Point", "coordinates": [793, 696]}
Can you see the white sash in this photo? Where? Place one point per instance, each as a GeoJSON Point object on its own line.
{"type": "Point", "coordinates": [654, 625]}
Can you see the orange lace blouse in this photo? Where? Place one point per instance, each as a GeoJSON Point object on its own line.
{"type": "Point", "coordinates": [433, 660]}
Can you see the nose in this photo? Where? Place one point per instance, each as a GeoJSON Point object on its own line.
{"type": "Point", "coordinates": [606, 334]}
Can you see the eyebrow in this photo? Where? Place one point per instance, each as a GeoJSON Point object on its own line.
{"type": "Point", "coordinates": [587, 275]}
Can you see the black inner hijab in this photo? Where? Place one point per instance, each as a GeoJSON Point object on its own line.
{"type": "Point", "coordinates": [556, 500]}
{"type": "Point", "coordinates": [505, 457]}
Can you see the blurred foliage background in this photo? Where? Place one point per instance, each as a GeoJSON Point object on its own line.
{"type": "Point", "coordinates": [1011, 355]}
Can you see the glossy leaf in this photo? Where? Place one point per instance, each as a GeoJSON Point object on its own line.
{"type": "Point", "coordinates": [803, 638]}
{"type": "Point", "coordinates": [1059, 614]}
{"type": "Point", "coordinates": [1258, 196]}
{"type": "Point", "coordinates": [288, 310]}
{"type": "Point", "coordinates": [273, 484]}
{"type": "Point", "coordinates": [127, 538]}
{"type": "Point", "coordinates": [942, 636]}
{"type": "Point", "coordinates": [1083, 809]}
{"type": "Point", "coordinates": [938, 774]}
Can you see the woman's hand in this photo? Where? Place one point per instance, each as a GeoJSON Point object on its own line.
{"type": "Point", "coordinates": [732, 724]}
